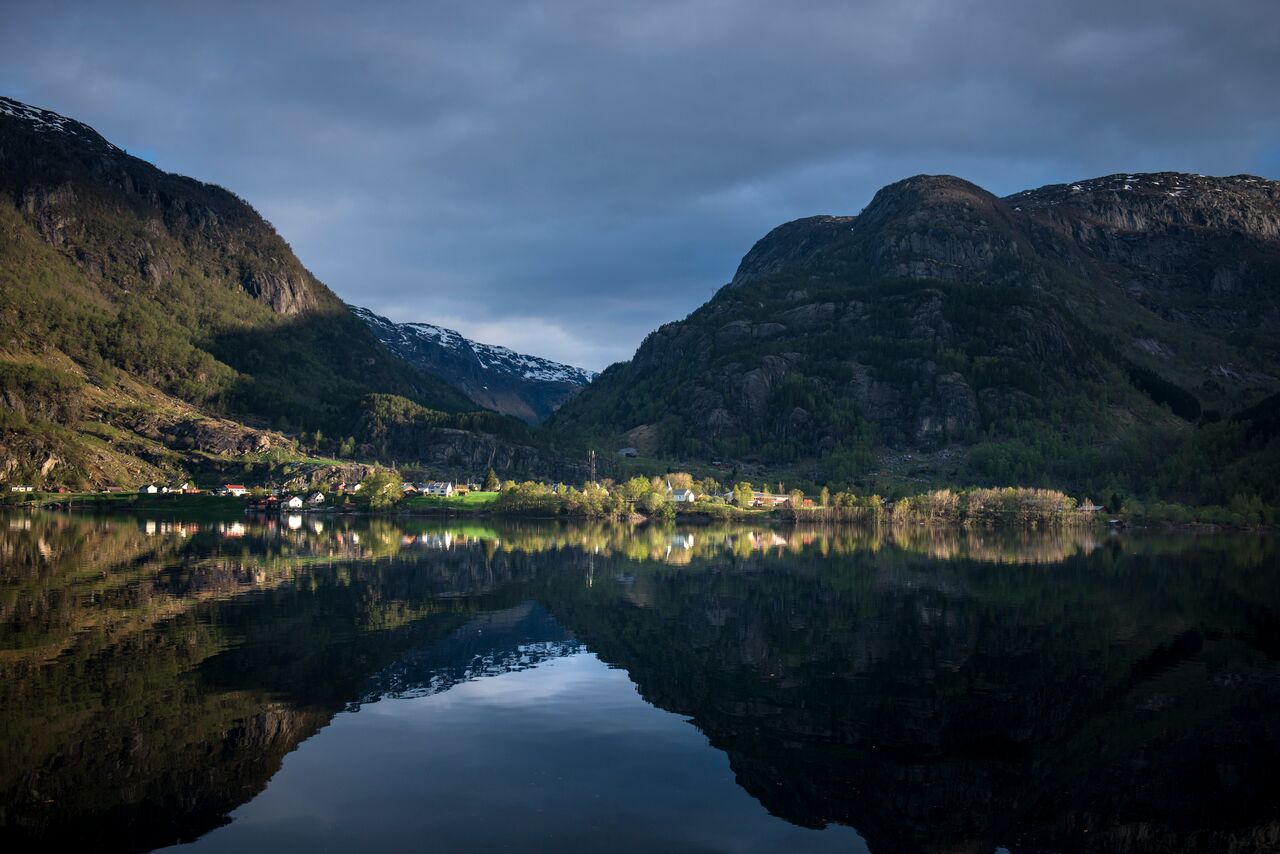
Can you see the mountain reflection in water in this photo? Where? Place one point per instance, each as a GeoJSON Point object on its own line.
{"type": "Point", "coordinates": [932, 690]}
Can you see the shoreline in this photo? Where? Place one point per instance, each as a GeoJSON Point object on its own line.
{"type": "Point", "coordinates": [205, 504]}
{"type": "Point", "coordinates": [227, 506]}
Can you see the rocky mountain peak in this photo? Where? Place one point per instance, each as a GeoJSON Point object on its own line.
{"type": "Point", "coordinates": [793, 244]}
{"type": "Point", "coordinates": [922, 193]}
{"type": "Point", "coordinates": [935, 227]}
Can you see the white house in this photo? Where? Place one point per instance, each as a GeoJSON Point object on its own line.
{"type": "Point", "coordinates": [439, 487]}
{"type": "Point", "coordinates": [293, 502]}
{"type": "Point", "coordinates": [316, 498]}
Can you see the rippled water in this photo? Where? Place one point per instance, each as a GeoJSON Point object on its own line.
{"type": "Point", "coordinates": [331, 684]}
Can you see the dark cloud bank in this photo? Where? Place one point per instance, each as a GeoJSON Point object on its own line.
{"type": "Point", "coordinates": [562, 177]}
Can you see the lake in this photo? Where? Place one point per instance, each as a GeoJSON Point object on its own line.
{"type": "Point", "coordinates": [341, 684]}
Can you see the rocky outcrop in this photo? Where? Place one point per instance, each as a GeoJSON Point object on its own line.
{"type": "Point", "coordinates": [209, 435]}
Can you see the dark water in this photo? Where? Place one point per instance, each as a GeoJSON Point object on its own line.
{"type": "Point", "coordinates": [334, 685]}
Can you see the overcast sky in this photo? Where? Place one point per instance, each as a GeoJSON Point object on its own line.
{"type": "Point", "coordinates": [563, 176]}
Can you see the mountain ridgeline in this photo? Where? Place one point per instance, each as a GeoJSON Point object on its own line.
{"type": "Point", "coordinates": [1120, 332]}
{"type": "Point", "coordinates": [527, 387]}
{"type": "Point", "coordinates": [152, 324]}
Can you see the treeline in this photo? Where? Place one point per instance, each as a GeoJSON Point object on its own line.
{"type": "Point", "coordinates": [1009, 506]}
{"type": "Point", "coordinates": [592, 501]}
{"type": "Point", "coordinates": [649, 497]}
{"type": "Point", "coordinates": [1024, 507]}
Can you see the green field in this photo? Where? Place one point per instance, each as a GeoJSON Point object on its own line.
{"type": "Point", "coordinates": [472, 502]}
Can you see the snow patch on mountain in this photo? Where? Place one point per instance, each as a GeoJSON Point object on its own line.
{"type": "Point", "coordinates": [1170, 184]}
{"type": "Point", "coordinates": [402, 336]}
{"type": "Point", "coordinates": [47, 121]}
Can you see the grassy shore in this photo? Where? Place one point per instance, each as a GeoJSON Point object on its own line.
{"type": "Point", "coordinates": [472, 502]}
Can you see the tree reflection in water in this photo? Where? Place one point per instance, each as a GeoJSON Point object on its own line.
{"type": "Point", "coordinates": [937, 690]}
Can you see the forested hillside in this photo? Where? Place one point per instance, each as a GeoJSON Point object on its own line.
{"type": "Point", "coordinates": [1121, 333]}
{"type": "Point", "coordinates": [147, 317]}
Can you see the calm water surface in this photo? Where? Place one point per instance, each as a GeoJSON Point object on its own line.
{"type": "Point", "coordinates": [338, 685]}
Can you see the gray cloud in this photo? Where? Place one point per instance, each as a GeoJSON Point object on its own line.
{"type": "Point", "coordinates": [563, 176]}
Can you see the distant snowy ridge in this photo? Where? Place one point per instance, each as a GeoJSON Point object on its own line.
{"type": "Point", "coordinates": [528, 387]}
{"type": "Point", "coordinates": [492, 356]}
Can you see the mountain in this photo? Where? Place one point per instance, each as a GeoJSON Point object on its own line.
{"type": "Point", "coordinates": [527, 387]}
{"type": "Point", "coordinates": [151, 324]}
{"type": "Point", "coordinates": [1108, 332]}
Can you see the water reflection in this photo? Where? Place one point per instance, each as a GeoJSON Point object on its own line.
{"type": "Point", "coordinates": [933, 690]}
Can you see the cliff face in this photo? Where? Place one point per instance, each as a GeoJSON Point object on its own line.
{"type": "Point", "coordinates": [1193, 250]}
{"type": "Point", "coordinates": [944, 316]}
